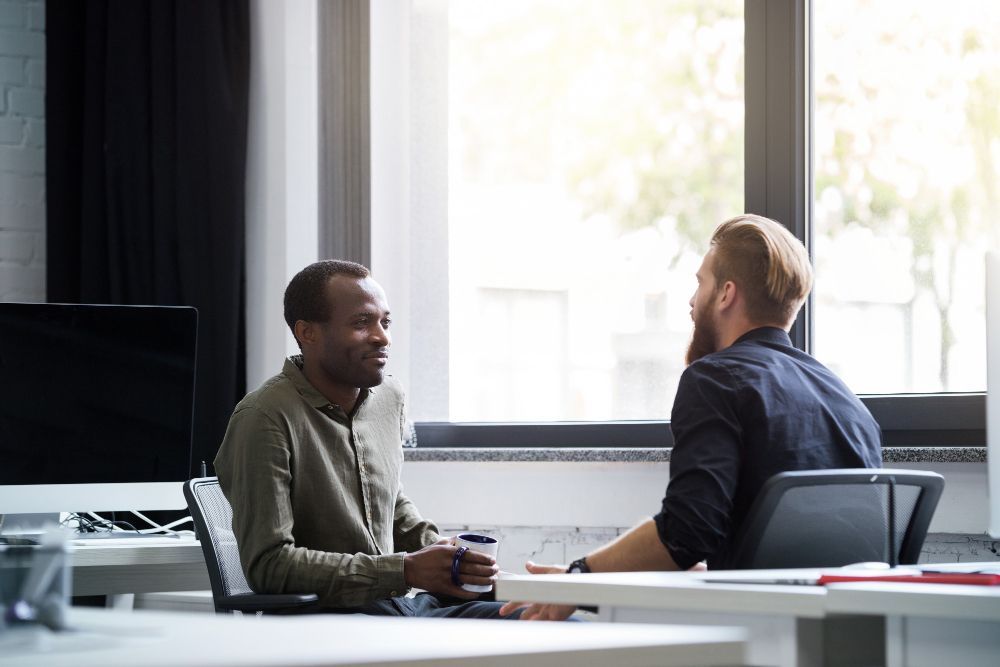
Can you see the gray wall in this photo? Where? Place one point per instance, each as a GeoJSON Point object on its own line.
{"type": "Point", "coordinates": [22, 150]}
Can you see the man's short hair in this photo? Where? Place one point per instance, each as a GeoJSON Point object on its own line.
{"type": "Point", "coordinates": [305, 296]}
{"type": "Point", "coordinates": [767, 263]}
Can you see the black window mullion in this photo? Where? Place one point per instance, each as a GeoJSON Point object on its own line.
{"type": "Point", "coordinates": [777, 129]}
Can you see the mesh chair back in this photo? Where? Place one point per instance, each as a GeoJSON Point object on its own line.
{"type": "Point", "coordinates": [213, 518]}
{"type": "Point", "coordinates": [830, 518]}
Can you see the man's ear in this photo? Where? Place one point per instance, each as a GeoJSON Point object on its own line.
{"type": "Point", "coordinates": [727, 295]}
{"type": "Point", "coordinates": [305, 333]}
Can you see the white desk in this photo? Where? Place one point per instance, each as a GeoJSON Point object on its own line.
{"type": "Point", "coordinates": [928, 625]}
{"type": "Point", "coordinates": [111, 638]}
{"type": "Point", "coordinates": [895, 624]}
{"type": "Point", "coordinates": [114, 567]}
{"type": "Point", "coordinates": [787, 625]}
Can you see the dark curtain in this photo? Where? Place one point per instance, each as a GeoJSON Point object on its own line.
{"type": "Point", "coordinates": [146, 114]}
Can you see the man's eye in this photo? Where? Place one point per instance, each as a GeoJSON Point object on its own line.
{"type": "Point", "coordinates": [386, 323]}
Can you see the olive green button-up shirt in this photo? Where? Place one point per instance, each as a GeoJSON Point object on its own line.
{"type": "Point", "coordinates": [317, 502]}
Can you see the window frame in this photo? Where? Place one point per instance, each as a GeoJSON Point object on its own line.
{"type": "Point", "coordinates": [912, 420]}
{"type": "Point", "coordinates": [778, 183]}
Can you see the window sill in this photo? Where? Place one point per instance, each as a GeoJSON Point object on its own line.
{"type": "Point", "coordinates": [891, 456]}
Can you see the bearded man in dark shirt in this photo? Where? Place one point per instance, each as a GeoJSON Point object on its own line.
{"type": "Point", "coordinates": [748, 406]}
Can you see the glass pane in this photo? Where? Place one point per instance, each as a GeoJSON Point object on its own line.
{"type": "Point", "coordinates": [592, 148]}
{"type": "Point", "coordinates": [907, 188]}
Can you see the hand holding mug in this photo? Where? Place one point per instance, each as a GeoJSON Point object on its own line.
{"type": "Point", "coordinates": [475, 543]}
{"type": "Point", "coordinates": [431, 569]}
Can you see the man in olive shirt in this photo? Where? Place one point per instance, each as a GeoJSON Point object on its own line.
{"type": "Point", "coordinates": [311, 465]}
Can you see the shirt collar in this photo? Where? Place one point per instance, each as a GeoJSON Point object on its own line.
{"type": "Point", "coordinates": [766, 335]}
{"type": "Point", "coordinates": [293, 371]}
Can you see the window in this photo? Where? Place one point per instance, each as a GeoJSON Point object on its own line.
{"type": "Point", "coordinates": [566, 162]}
{"type": "Point", "coordinates": [907, 184]}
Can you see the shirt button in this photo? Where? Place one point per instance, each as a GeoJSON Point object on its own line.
{"type": "Point", "coordinates": [393, 594]}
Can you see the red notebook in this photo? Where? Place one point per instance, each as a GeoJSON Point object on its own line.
{"type": "Point", "coordinates": [969, 579]}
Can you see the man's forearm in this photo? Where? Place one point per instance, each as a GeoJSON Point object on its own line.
{"type": "Point", "coordinates": [638, 549]}
{"type": "Point", "coordinates": [340, 580]}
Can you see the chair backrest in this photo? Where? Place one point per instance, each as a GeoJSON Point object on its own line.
{"type": "Point", "coordinates": [213, 519]}
{"type": "Point", "coordinates": [831, 518]}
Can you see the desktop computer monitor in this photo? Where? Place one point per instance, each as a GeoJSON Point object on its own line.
{"type": "Point", "coordinates": [96, 406]}
{"type": "Point", "coordinates": [993, 388]}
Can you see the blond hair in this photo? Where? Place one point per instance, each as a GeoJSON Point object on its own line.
{"type": "Point", "coordinates": [769, 265]}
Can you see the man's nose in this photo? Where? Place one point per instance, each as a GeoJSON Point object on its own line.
{"type": "Point", "coordinates": [380, 335]}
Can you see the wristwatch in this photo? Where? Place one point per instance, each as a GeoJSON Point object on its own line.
{"type": "Point", "coordinates": [580, 565]}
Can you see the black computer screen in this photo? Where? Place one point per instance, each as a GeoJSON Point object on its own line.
{"type": "Point", "coordinates": [96, 394]}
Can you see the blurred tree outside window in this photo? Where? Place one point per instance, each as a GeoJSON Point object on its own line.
{"type": "Point", "coordinates": [907, 190]}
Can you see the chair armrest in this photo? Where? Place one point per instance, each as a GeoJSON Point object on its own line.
{"type": "Point", "coordinates": [266, 602]}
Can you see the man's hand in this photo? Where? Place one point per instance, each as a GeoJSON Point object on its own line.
{"type": "Point", "coordinates": [430, 570]}
{"type": "Point", "coordinates": [540, 612]}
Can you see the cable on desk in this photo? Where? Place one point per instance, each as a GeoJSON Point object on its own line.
{"type": "Point", "coordinates": [93, 523]}
{"type": "Point", "coordinates": [157, 527]}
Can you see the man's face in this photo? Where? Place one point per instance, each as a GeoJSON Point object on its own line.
{"type": "Point", "coordinates": [353, 347]}
{"type": "Point", "coordinates": [705, 338]}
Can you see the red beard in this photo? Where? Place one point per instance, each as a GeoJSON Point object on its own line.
{"type": "Point", "coordinates": [703, 340]}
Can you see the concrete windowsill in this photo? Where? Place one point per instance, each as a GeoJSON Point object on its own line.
{"type": "Point", "coordinates": [890, 455]}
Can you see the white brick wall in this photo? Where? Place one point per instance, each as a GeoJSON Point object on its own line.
{"type": "Point", "coordinates": [22, 150]}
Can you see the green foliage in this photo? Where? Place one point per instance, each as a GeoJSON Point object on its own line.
{"type": "Point", "coordinates": [639, 109]}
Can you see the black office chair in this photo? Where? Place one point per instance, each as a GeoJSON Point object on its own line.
{"type": "Point", "coordinates": [213, 520]}
{"type": "Point", "coordinates": [831, 518]}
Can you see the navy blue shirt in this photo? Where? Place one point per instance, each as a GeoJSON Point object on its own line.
{"type": "Point", "coordinates": [742, 415]}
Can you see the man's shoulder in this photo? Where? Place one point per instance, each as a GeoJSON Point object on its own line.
{"type": "Point", "coordinates": [717, 364]}
{"type": "Point", "coordinates": [709, 381]}
{"type": "Point", "coordinates": [747, 364]}
{"type": "Point", "coordinates": [391, 390]}
{"type": "Point", "coordinates": [276, 395]}
{"type": "Point", "coordinates": [755, 357]}
{"type": "Point", "coordinates": [770, 366]}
